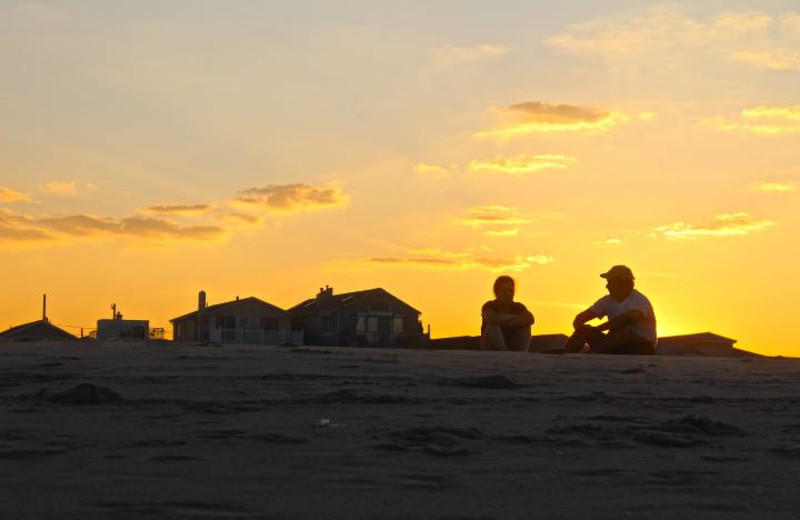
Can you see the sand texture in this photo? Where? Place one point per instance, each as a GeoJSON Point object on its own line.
{"type": "Point", "coordinates": [242, 432]}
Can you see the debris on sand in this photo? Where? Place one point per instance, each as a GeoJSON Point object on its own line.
{"type": "Point", "coordinates": [669, 440]}
{"type": "Point", "coordinates": [702, 425]}
{"type": "Point", "coordinates": [84, 393]}
{"type": "Point", "coordinates": [496, 382]}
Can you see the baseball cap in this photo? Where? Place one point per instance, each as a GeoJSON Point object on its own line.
{"type": "Point", "coordinates": [618, 271]}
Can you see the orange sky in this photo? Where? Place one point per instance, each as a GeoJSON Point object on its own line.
{"type": "Point", "coordinates": [150, 150]}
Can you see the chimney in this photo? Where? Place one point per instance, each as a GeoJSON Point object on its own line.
{"type": "Point", "coordinates": [44, 307]}
{"type": "Point", "coordinates": [201, 301]}
{"type": "Point", "coordinates": [323, 293]}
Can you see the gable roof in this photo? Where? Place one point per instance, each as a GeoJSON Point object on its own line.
{"type": "Point", "coordinates": [702, 337]}
{"type": "Point", "coordinates": [228, 306]}
{"type": "Point", "coordinates": [36, 330]}
{"type": "Point", "coordinates": [336, 301]}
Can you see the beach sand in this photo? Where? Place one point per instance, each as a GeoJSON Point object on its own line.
{"type": "Point", "coordinates": [135, 431]}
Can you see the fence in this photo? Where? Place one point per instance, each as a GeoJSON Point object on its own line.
{"type": "Point", "coordinates": [256, 336]}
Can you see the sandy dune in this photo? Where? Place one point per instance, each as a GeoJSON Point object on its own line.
{"type": "Point", "coordinates": [127, 431]}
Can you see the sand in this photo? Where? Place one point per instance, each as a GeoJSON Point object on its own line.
{"type": "Point", "coordinates": [135, 431]}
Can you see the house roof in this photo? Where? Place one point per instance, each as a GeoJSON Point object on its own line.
{"type": "Point", "coordinates": [39, 329]}
{"type": "Point", "coordinates": [227, 306]}
{"type": "Point", "coordinates": [335, 301]}
{"type": "Point", "coordinates": [702, 337]}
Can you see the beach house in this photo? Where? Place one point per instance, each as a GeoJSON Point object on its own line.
{"type": "Point", "coordinates": [39, 330]}
{"type": "Point", "coordinates": [246, 320]}
{"type": "Point", "coordinates": [372, 317]}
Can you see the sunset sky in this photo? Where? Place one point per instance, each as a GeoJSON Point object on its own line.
{"type": "Point", "coordinates": [150, 149]}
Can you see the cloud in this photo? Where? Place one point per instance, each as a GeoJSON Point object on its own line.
{"type": "Point", "coordinates": [537, 117]}
{"type": "Point", "coordinates": [494, 220]}
{"type": "Point", "coordinates": [452, 55]}
{"type": "Point", "coordinates": [290, 198]}
{"type": "Point", "coordinates": [766, 120]}
{"type": "Point", "coordinates": [629, 34]}
{"type": "Point", "coordinates": [609, 242]}
{"type": "Point", "coordinates": [725, 225]}
{"type": "Point", "coordinates": [780, 187]}
{"type": "Point", "coordinates": [8, 195]}
{"type": "Point", "coordinates": [20, 228]}
{"type": "Point", "coordinates": [519, 165]}
{"type": "Point", "coordinates": [432, 171]}
{"type": "Point", "coordinates": [463, 261]}
{"type": "Point", "coordinates": [745, 22]}
{"type": "Point", "coordinates": [664, 33]}
{"type": "Point", "coordinates": [59, 187]}
{"type": "Point", "coordinates": [240, 219]}
{"type": "Point", "coordinates": [790, 24]}
{"type": "Point", "coordinates": [178, 210]}
{"type": "Point", "coordinates": [774, 58]}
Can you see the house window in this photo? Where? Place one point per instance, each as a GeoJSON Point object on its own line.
{"type": "Point", "coordinates": [398, 325]}
{"type": "Point", "coordinates": [372, 324]}
{"type": "Point", "coordinates": [225, 322]}
{"type": "Point", "coordinates": [269, 324]}
{"type": "Point", "coordinates": [327, 324]}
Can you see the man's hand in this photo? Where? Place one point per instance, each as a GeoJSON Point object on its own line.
{"type": "Point", "coordinates": [581, 319]}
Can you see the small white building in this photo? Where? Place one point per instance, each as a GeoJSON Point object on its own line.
{"type": "Point", "coordinates": [118, 328]}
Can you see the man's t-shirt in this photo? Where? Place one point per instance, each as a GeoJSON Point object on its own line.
{"type": "Point", "coordinates": [499, 307]}
{"type": "Point", "coordinates": [644, 328]}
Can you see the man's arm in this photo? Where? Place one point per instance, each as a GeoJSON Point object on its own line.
{"type": "Point", "coordinates": [623, 320]}
{"type": "Point", "coordinates": [581, 319]}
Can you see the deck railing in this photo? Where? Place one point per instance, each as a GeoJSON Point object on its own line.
{"type": "Point", "coordinates": [256, 336]}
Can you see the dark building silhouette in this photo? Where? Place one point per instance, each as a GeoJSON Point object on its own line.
{"type": "Point", "coordinates": [704, 344]}
{"type": "Point", "coordinates": [39, 330]}
{"type": "Point", "coordinates": [371, 318]}
{"type": "Point", "coordinates": [246, 320]}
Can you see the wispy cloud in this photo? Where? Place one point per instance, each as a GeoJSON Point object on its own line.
{"type": "Point", "coordinates": [16, 228]}
{"type": "Point", "coordinates": [725, 225]}
{"type": "Point", "coordinates": [178, 210]}
{"type": "Point", "coordinates": [537, 117]}
{"type": "Point", "coordinates": [640, 37]}
{"type": "Point", "coordinates": [780, 187]}
{"type": "Point", "coordinates": [520, 165]}
{"type": "Point", "coordinates": [777, 58]}
{"type": "Point", "coordinates": [609, 242]}
{"type": "Point", "coordinates": [454, 55]}
{"type": "Point", "coordinates": [7, 195]}
{"type": "Point", "coordinates": [790, 24]}
{"type": "Point", "coordinates": [766, 120]}
{"type": "Point", "coordinates": [240, 219]}
{"type": "Point", "coordinates": [431, 171]}
{"type": "Point", "coordinates": [494, 220]}
{"type": "Point", "coordinates": [59, 187]}
{"type": "Point", "coordinates": [462, 261]}
{"type": "Point", "coordinates": [290, 198]}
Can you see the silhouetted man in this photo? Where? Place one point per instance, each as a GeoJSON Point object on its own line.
{"type": "Point", "coordinates": [631, 321]}
{"type": "Point", "coordinates": [506, 324]}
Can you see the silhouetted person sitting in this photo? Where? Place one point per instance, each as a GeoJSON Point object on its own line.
{"type": "Point", "coordinates": [506, 324]}
{"type": "Point", "coordinates": [631, 321]}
